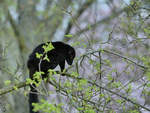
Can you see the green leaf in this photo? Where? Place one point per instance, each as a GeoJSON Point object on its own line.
{"type": "Point", "coordinates": [109, 77]}
{"type": "Point", "coordinates": [119, 101]}
{"type": "Point", "coordinates": [51, 72]}
{"type": "Point", "coordinates": [15, 88]}
{"type": "Point", "coordinates": [28, 81]}
{"type": "Point", "coordinates": [129, 89]}
{"type": "Point", "coordinates": [148, 85]}
{"type": "Point", "coordinates": [38, 55]}
{"type": "Point", "coordinates": [37, 78]}
{"type": "Point", "coordinates": [108, 99]}
{"type": "Point", "coordinates": [83, 82]}
{"type": "Point", "coordinates": [68, 35]}
{"type": "Point", "coordinates": [48, 47]}
{"type": "Point", "coordinates": [46, 58]}
{"type": "Point", "coordinates": [116, 84]}
{"type": "Point", "coordinates": [7, 82]}
{"type": "Point", "coordinates": [89, 26]}
{"type": "Point", "coordinates": [67, 84]}
{"type": "Point", "coordinates": [74, 74]}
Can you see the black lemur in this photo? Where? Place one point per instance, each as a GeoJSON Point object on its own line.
{"type": "Point", "coordinates": [62, 52]}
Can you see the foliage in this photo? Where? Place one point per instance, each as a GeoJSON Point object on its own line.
{"type": "Point", "coordinates": [46, 107]}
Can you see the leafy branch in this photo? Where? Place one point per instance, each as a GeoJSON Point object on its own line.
{"type": "Point", "coordinates": [24, 84]}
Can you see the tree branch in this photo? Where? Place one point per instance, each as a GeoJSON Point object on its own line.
{"type": "Point", "coordinates": [16, 32]}
{"type": "Point", "coordinates": [23, 84]}
{"type": "Point", "coordinates": [75, 17]}
{"type": "Point", "coordinates": [116, 54]}
{"type": "Point", "coordinates": [104, 20]}
{"type": "Point", "coordinates": [108, 90]}
{"type": "Point", "coordinates": [12, 88]}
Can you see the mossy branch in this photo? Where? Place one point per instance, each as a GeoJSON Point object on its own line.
{"type": "Point", "coordinates": [12, 88]}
